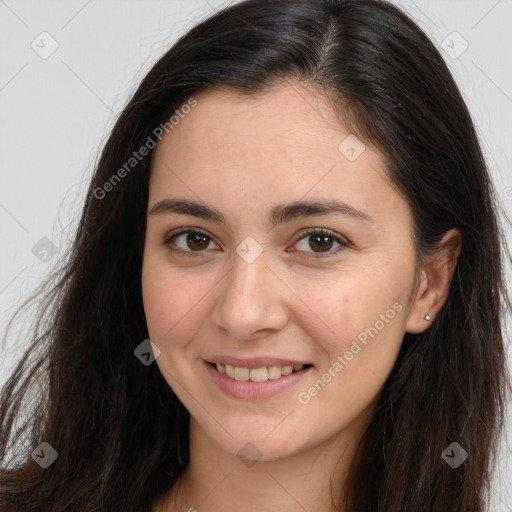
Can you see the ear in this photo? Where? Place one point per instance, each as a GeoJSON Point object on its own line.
{"type": "Point", "coordinates": [434, 286]}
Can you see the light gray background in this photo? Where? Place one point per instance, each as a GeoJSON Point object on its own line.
{"type": "Point", "coordinates": [56, 112]}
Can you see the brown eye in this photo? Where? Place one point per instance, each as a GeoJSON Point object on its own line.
{"type": "Point", "coordinates": [197, 241]}
{"type": "Point", "coordinates": [318, 241]}
{"type": "Point", "coordinates": [321, 242]}
{"type": "Point", "coordinates": [189, 242]}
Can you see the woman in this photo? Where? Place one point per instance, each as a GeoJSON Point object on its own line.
{"type": "Point", "coordinates": [285, 289]}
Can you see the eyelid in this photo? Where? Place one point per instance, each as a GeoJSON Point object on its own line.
{"type": "Point", "coordinates": [188, 229]}
{"type": "Point", "coordinates": [171, 236]}
{"type": "Point", "coordinates": [340, 239]}
{"type": "Point", "coordinates": [343, 241]}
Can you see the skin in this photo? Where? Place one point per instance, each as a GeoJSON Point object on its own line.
{"type": "Point", "coordinates": [243, 156]}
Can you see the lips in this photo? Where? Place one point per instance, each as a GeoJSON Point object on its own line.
{"type": "Point", "coordinates": [258, 369]}
{"type": "Point", "coordinates": [253, 381]}
{"type": "Point", "coordinates": [255, 362]}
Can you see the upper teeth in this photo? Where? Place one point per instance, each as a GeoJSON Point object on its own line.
{"type": "Point", "coordinates": [257, 374]}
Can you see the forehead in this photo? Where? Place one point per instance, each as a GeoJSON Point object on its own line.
{"type": "Point", "coordinates": [288, 121]}
{"type": "Point", "coordinates": [272, 148]}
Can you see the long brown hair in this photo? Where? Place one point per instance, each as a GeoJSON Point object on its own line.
{"type": "Point", "coordinates": [120, 432]}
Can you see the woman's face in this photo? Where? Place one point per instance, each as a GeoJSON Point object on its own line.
{"type": "Point", "coordinates": [259, 287]}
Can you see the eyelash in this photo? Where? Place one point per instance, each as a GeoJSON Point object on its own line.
{"type": "Point", "coordinates": [320, 231]}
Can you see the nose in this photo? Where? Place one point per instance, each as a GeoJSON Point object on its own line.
{"type": "Point", "coordinates": [251, 300]}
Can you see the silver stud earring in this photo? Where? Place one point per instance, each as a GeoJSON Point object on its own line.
{"type": "Point", "coordinates": [427, 317]}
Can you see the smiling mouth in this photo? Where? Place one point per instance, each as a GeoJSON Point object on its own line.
{"type": "Point", "coordinates": [261, 374]}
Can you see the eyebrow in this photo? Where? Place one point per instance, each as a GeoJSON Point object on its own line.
{"type": "Point", "coordinates": [279, 214]}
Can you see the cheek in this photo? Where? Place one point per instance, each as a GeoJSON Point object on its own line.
{"type": "Point", "coordinates": [158, 298]}
{"type": "Point", "coordinates": [162, 298]}
{"type": "Point", "coordinates": [173, 302]}
{"type": "Point", "coordinates": [171, 307]}
{"type": "Point", "coordinates": [365, 312]}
